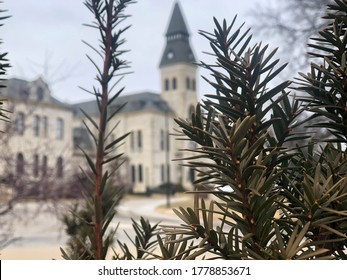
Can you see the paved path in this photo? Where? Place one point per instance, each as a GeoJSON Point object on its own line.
{"type": "Point", "coordinates": [39, 228]}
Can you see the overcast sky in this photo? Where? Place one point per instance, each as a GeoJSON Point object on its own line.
{"type": "Point", "coordinates": [44, 37]}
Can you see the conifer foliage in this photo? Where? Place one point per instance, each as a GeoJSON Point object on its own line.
{"type": "Point", "coordinates": [89, 226]}
{"type": "Point", "coordinates": [270, 201]}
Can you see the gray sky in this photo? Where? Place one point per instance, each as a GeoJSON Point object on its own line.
{"type": "Point", "coordinates": [44, 37]}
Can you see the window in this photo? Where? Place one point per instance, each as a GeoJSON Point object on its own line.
{"type": "Point", "coordinates": [162, 137]}
{"type": "Point", "coordinates": [193, 84]}
{"type": "Point", "coordinates": [164, 140]}
{"type": "Point", "coordinates": [40, 93]}
{"type": "Point", "coordinates": [60, 172]}
{"type": "Point", "coordinates": [20, 123]}
{"type": "Point", "coordinates": [24, 93]}
{"type": "Point", "coordinates": [188, 83]}
{"type": "Point", "coordinates": [60, 129]}
{"type": "Point", "coordinates": [167, 86]}
{"type": "Point", "coordinates": [44, 165]}
{"type": "Point", "coordinates": [140, 173]}
{"type": "Point", "coordinates": [133, 174]}
{"type": "Point", "coordinates": [139, 139]}
{"type": "Point", "coordinates": [20, 164]}
{"type": "Point", "coordinates": [168, 173]}
{"type": "Point", "coordinates": [45, 126]}
{"type": "Point", "coordinates": [191, 175]}
{"type": "Point", "coordinates": [36, 166]}
{"type": "Point", "coordinates": [167, 141]}
{"type": "Point", "coordinates": [174, 83]}
{"type": "Point", "coordinates": [37, 121]}
{"type": "Point", "coordinates": [132, 141]}
{"type": "Point", "coordinates": [162, 172]}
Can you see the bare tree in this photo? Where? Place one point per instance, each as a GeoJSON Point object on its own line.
{"type": "Point", "coordinates": [293, 23]}
{"type": "Point", "coordinates": [53, 71]}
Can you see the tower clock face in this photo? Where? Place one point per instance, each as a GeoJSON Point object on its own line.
{"type": "Point", "coordinates": [170, 55]}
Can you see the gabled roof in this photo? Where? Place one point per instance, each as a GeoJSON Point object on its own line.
{"type": "Point", "coordinates": [134, 103]}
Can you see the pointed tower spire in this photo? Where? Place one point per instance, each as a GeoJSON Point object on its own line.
{"type": "Point", "coordinates": [177, 49]}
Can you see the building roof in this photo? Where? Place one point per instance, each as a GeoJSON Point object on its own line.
{"type": "Point", "coordinates": [177, 49]}
{"type": "Point", "coordinates": [134, 103]}
{"type": "Point", "coordinates": [177, 23]}
{"type": "Point", "coordinates": [34, 91]}
{"type": "Point", "coordinates": [139, 102]}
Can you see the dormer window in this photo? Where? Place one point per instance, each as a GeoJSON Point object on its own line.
{"type": "Point", "coordinates": [40, 93]}
{"type": "Point", "coordinates": [60, 129]}
{"type": "Point", "coordinates": [24, 93]}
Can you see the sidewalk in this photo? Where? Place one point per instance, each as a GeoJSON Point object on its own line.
{"type": "Point", "coordinates": [149, 208]}
{"type": "Point", "coordinates": [43, 236]}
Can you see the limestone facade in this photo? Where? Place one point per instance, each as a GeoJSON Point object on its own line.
{"type": "Point", "coordinates": [36, 143]}
{"type": "Point", "coordinates": [45, 133]}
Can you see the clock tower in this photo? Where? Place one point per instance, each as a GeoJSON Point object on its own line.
{"type": "Point", "coordinates": [177, 67]}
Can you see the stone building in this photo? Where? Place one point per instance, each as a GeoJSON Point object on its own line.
{"type": "Point", "coordinates": [36, 145]}
{"type": "Point", "coordinates": [45, 133]}
{"type": "Point", "coordinates": [150, 148]}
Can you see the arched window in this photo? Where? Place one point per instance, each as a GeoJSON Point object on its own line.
{"type": "Point", "coordinates": [44, 165]}
{"type": "Point", "coordinates": [139, 140]}
{"type": "Point", "coordinates": [20, 164]}
{"type": "Point", "coordinates": [37, 121]}
{"type": "Point", "coordinates": [167, 86]}
{"type": "Point", "coordinates": [174, 83]}
{"type": "Point", "coordinates": [140, 173]}
{"type": "Point", "coordinates": [167, 140]}
{"type": "Point", "coordinates": [187, 83]}
{"type": "Point", "coordinates": [36, 166]}
{"type": "Point", "coordinates": [20, 123]}
{"type": "Point", "coordinates": [60, 167]}
{"type": "Point", "coordinates": [132, 141]}
{"type": "Point", "coordinates": [133, 174]}
{"type": "Point", "coordinates": [162, 140]}
{"type": "Point", "coordinates": [45, 126]}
